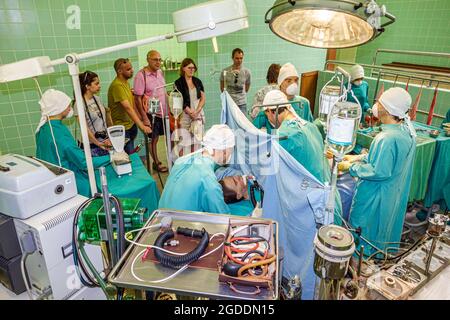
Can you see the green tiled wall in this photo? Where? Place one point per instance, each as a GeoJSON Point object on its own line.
{"type": "Point", "coordinates": [441, 107]}
{"type": "Point", "coordinates": [261, 48]}
{"type": "Point", "coordinates": [28, 28]}
{"type": "Point", "coordinates": [421, 25]}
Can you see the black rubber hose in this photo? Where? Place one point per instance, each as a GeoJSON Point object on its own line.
{"type": "Point", "coordinates": [120, 226]}
{"type": "Point", "coordinates": [78, 262]}
{"type": "Point", "coordinates": [176, 262]}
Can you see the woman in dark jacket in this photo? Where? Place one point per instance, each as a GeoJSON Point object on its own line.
{"type": "Point", "coordinates": [193, 117]}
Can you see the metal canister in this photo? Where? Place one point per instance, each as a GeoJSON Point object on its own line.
{"type": "Point", "coordinates": [334, 247]}
{"type": "Point", "coordinates": [437, 225]}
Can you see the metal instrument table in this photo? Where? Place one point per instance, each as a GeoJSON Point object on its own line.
{"type": "Point", "coordinates": [194, 281]}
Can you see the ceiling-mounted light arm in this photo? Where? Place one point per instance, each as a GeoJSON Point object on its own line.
{"type": "Point", "coordinates": [391, 18]}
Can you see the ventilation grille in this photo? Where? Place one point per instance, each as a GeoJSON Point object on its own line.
{"type": "Point", "coordinates": [59, 219]}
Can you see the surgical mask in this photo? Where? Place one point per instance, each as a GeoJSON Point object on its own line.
{"type": "Point", "coordinates": [292, 89]}
{"type": "Point", "coordinates": [357, 82]}
{"type": "Point", "coordinates": [70, 114]}
{"type": "Point", "coordinates": [375, 110]}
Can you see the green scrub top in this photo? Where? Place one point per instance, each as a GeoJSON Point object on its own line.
{"type": "Point", "coordinates": [305, 144]}
{"type": "Point", "coordinates": [192, 185]}
{"type": "Point", "coordinates": [381, 197]}
{"type": "Point", "coordinates": [361, 93]}
{"type": "Point", "coordinates": [72, 157]}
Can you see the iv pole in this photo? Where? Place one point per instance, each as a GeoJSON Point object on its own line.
{"type": "Point", "coordinates": [331, 203]}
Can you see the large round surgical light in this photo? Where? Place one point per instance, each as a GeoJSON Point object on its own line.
{"type": "Point", "coordinates": [327, 23]}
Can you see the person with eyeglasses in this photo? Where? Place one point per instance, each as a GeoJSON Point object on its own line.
{"type": "Point", "coordinates": [98, 118]}
{"type": "Point", "coordinates": [149, 83]}
{"type": "Point", "coordinates": [121, 103]}
{"type": "Point", "coordinates": [236, 79]}
{"type": "Point", "coordinates": [193, 116]}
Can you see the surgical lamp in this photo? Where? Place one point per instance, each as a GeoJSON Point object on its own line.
{"type": "Point", "coordinates": [327, 23]}
{"type": "Point", "coordinates": [202, 21]}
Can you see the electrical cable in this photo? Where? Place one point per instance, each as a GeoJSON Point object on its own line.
{"type": "Point", "coordinates": [91, 282]}
{"type": "Point", "coordinates": [120, 226]}
{"type": "Point", "coordinates": [25, 275]}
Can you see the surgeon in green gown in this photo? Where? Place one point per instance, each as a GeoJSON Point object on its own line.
{"type": "Point", "coordinates": [360, 89]}
{"type": "Point", "coordinates": [446, 120]}
{"type": "Point", "coordinates": [301, 139]}
{"type": "Point", "coordinates": [288, 82]}
{"type": "Point", "coordinates": [384, 175]}
{"type": "Point", "coordinates": [192, 184]}
{"type": "Point", "coordinates": [55, 143]}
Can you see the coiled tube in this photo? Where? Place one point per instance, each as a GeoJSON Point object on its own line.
{"type": "Point", "coordinates": [176, 262]}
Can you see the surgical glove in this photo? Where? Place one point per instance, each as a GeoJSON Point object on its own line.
{"type": "Point", "coordinates": [353, 158]}
{"type": "Point", "coordinates": [120, 157]}
{"type": "Point", "coordinates": [344, 166]}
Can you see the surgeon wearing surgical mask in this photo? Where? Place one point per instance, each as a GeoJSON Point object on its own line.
{"type": "Point", "coordinates": [55, 143]}
{"type": "Point", "coordinates": [192, 183]}
{"type": "Point", "coordinates": [288, 79]}
{"type": "Point", "coordinates": [360, 89]}
{"type": "Point", "coordinates": [384, 175]}
{"type": "Point", "coordinates": [288, 83]}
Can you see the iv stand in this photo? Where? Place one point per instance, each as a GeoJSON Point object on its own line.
{"type": "Point", "coordinates": [331, 203]}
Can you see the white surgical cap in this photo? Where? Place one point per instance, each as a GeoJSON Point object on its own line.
{"type": "Point", "coordinates": [397, 102]}
{"type": "Point", "coordinates": [286, 71]}
{"type": "Point", "coordinates": [275, 97]}
{"type": "Point", "coordinates": [356, 72]}
{"type": "Point", "coordinates": [53, 102]}
{"type": "Point", "coordinates": [219, 137]}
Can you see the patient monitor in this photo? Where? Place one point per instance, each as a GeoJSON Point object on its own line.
{"type": "Point", "coordinates": [119, 159]}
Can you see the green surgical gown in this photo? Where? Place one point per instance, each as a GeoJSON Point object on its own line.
{"type": "Point", "coordinates": [305, 144]}
{"type": "Point", "coordinates": [447, 118]}
{"type": "Point", "coordinates": [192, 185]}
{"type": "Point", "coordinates": [381, 197]}
{"type": "Point", "coordinates": [72, 157]}
{"type": "Point", "coordinates": [301, 107]}
{"type": "Point", "coordinates": [361, 93]}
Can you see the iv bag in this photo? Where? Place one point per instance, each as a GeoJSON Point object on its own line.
{"type": "Point", "coordinates": [176, 102]}
{"type": "Point", "coordinates": [327, 99]}
{"type": "Point", "coordinates": [343, 123]}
